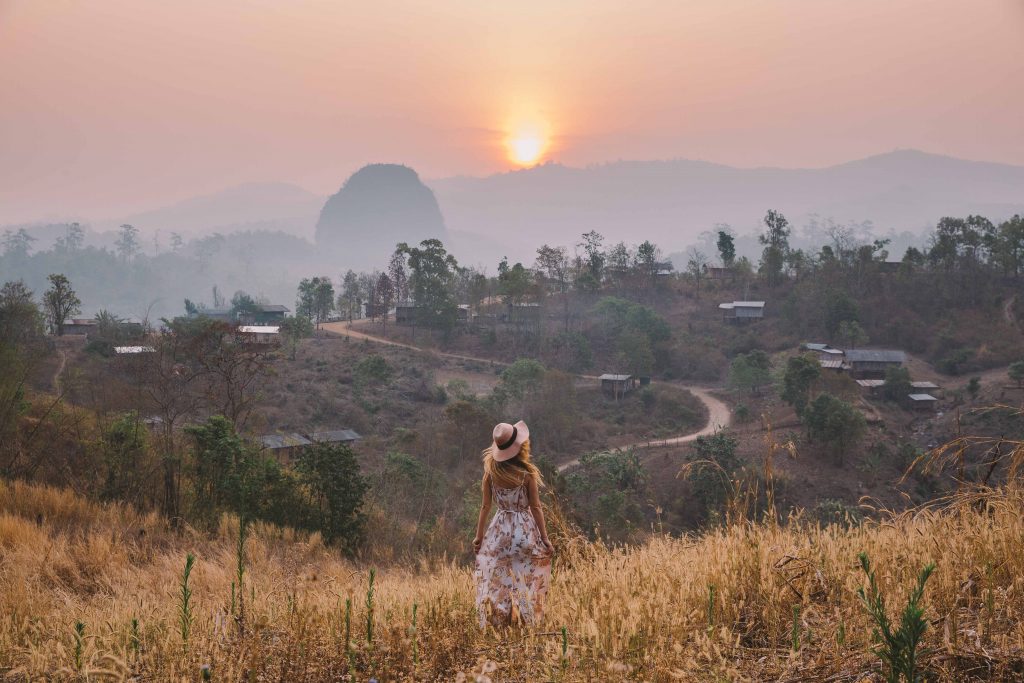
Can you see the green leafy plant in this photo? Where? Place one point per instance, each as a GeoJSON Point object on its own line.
{"type": "Point", "coordinates": [898, 648]}
{"type": "Point", "coordinates": [185, 615]}
{"type": "Point", "coordinates": [79, 645]}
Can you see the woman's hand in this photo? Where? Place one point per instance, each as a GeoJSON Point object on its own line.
{"type": "Point", "coordinates": [547, 544]}
{"type": "Point", "coordinates": [476, 544]}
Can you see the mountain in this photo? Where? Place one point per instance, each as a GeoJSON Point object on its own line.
{"type": "Point", "coordinates": [252, 206]}
{"type": "Point", "coordinates": [672, 202]}
{"type": "Point", "coordinates": [379, 206]}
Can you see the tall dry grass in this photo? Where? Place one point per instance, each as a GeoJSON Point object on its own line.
{"type": "Point", "coordinates": [715, 607]}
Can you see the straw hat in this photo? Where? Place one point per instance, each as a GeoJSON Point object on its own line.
{"type": "Point", "coordinates": [508, 439]}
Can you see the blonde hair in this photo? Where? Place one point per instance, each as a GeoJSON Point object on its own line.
{"type": "Point", "coordinates": [514, 471]}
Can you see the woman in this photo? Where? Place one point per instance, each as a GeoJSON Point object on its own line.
{"type": "Point", "coordinates": [513, 556]}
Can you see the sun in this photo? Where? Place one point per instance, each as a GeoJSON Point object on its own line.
{"type": "Point", "coordinates": [526, 145]}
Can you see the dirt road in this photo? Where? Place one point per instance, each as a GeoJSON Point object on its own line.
{"type": "Point", "coordinates": [719, 415]}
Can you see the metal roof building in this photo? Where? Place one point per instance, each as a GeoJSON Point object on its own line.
{"type": "Point", "coordinates": [335, 436]}
{"type": "Point", "coordinates": [278, 441]}
{"type": "Point", "coordinates": [133, 349]}
{"type": "Point", "coordinates": [874, 356]}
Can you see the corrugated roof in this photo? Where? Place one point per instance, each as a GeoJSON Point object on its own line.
{"type": "Point", "coordinates": [134, 349]}
{"type": "Point", "coordinates": [871, 383]}
{"type": "Point", "coordinates": [748, 304]}
{"type": "Point", "coordinates": [924, 385]}
{"type": "Point", "coordinates": [335, 436]}
{"type": "Point", "coordinates": [875, 356]}
{"type": "Point", "coordinates": [921, 397]}
{"type": "Point", "coordinates": [259, 329]}
{"type": "Point", "coordinates": [273, 308]}
{"type": "Point", "coordinates": [614, 378]}
{"type": "Point", "coordinates": [275, 441]}
{"type": "Point", "coordinates": [830, 364]}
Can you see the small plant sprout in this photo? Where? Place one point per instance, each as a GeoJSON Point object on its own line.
{"type": "Point", "coordinates": [369, 610]}
{"type": "Point", "coordinates": [898, 649]}
{"type": "Point", "coordinates": [711, 607]}
{"type": "Point", "coordinates": [794, 636]}
{"type": "Point", "coordinates": [565, 649]}
{"type": "Point", "coordinates": [79, 645]}
{"type": "Point", "coordinates": [185, 616]}
{"type": "Point", "coordinates": [133, 638]}
{"type": "Point", "coordinates": [205, 672]}
{"type": "Point", "coordinates": [415, 639]}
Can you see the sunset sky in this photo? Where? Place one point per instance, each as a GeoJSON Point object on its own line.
{"type": "Point", "coordinates": [111, 106]}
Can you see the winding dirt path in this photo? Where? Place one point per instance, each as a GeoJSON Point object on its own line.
{"type": "Point", "coordinates": [1009, 314]}
{"type": "Point", "coordinates": [719, 415]}
{"type": "Point", "coordinates": [60, 371]}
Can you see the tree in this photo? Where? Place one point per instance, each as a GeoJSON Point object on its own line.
{"type": "Point", "coordinates": [332, 480]}
{"type": "Point", "coordinates": [726, 247]}
{"type": "Point", "coordinates": [801, 373]}
{"type": "Point", "coordinates": [696, 266]}
{"type": "Point", "coordinates": [520, 380]}
{"type": "Point", "coordinates": [515, 283]}
{"type": "Point", "coordinates": [835, 423]}
{"type": "Point", "coordinates": [433, 270]}
{"type": "Point", "coordinates": [60, 301]}
{"type": "Point", "coordinates": [776, 245]}
{"type": "Point", "coordinates": [712, 468]}
{"type": "Point", "coordinates": [635, 355]}
{"type": "Point", "coordinates": [1016, 372]}
{"type": "Point", "coordinates": [399, 276]}
{"type": "Point", "coordinates": [17, 244]}
{"type": "Point", "coordinates": [594, 261]}
{"type": "Point", "coordinates": [176, 242]}
{"type": "Point", "coordinates": [348, 300]}
{"type": "Point", "coordinates": [647, 261]}
{"type": "Point", "coordinates": [750, 371]}
{"type": "Point", "coordinates": [72, 239]}
{"type": "Point", "coordinates": [852, 333]}
{"type": "Point", "coordinates": [243, 306]}
{"type": "Point", "coordinates": [127, 243]}
{"type": "Point", "coordinates": [385, 294]}
{"type": "Point", "coordinates": [839, 307]}
{"type": "Point", "coordinates": [293, 330]}
{"type": "Point", "coordinates": [553, 265]}
{"type": "Point", "coordinates": [897, 384]}
{"type": "Point", "coordinates": [316, 299]}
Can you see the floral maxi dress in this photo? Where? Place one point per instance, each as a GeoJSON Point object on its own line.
{"type": "Point", "coordinates": [513, 567]}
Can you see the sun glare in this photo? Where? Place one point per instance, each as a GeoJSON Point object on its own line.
{"type": "Point", "coordinates": [526, 146]}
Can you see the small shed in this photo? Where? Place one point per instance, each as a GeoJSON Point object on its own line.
{"type": "Point", "coordinates": [259, 334]}
{"type": "Point", "coordinates": [223, 314]}
{"type": "Point", "coordinates": [80, 326]}
{"type": "Point", "coordinates": [284, 447]}
{"type": "Point", "coordinates": [616, 386]}
{"type": "Point", "coordinates": [742, 311]}
{"type": "Point", "coordinates": [823, 350]}
{"type": "Point", "coordinates": [719, 273]}
{"type": "Point", "coordinates": [929, 387]}
{"type": "Point", "coordinates": [872, 361]}
{"type": "Point", "coordinates": [133, 350]}
{"type": "Point", "coordinates": [335, 436]}
{"type": "Point", "coordinates": [922, 401]}
{"type": "Point", "coordinates": [833, 364]}
{"type": "Point", "coordinates": [870, 385]}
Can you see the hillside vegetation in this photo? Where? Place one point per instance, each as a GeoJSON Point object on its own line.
{"type": "Point", "coordinates": [93, 592]}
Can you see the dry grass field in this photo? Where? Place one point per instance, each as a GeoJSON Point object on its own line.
{"type": "Point", "coordinates": [91, 592]}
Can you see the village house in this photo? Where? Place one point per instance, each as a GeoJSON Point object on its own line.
{"type": "Point", "coordinates": [719, 273]}
{"type": "Point", "coordinates": [742, 311]}
{"type": "Point", "coordinates": [270, 314]}
{"type": "Point", "coordinates": [335, 436]}
{"type": "Point", "coordinates": [259, 334]}
{"type": "Point", "coordinates": [863, 362]}
{"type": "Point", "coordinates": [824, 351]}
{"type": "Point", "coordinates": [84, 326]}
{"type": "Point", "coordinates": [922, 402]}
{"type": "Point", "coordinates": [284, 447]}
{"type": "Point", "coordinates": [617, 386]}
{"type": "Point", "coordinates": [133, 350]}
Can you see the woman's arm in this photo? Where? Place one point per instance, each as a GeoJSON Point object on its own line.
{"type": "Point", "coordinates": [485, 509]}
{"type": "Point", "coordinates": [538, 513]}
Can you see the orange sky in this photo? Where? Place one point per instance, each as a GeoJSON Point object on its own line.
{"type": "Point", "coordinates": [114, 105]}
